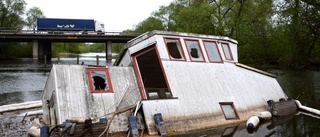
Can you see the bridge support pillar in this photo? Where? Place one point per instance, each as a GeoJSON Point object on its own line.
{"type": "Point", "coordinates": [109, 51]}
{"type": "Point", "coordinates": [41, 48]}
{"type": "Point", "coordinates": [35, 49]}
{"type": "Point", "coordinates": [44, 49]}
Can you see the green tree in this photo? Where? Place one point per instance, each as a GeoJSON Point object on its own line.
{"type": "Point", "coordinates": [196, 18]}
{"type": "Point", "coordinates": [15, 50]}
{"type": "Point", "coordinates": [97, 47]}
{"type": "Point", "coordinates": [32, 15]}
{"type": "Point", "coordinates": [117, 47]}
{"type": "Point", "coordinates": [11, 18]}
{"type": "Point", "coordinates": [299, 24]}
{"type": "Point", "coordinates": [11, 12]}
{"type": "Point", "coordinates": [252, 28]}
{"type": "Point", "coordinates": [149, 24]}
{"type": "Point", "coordinates": [248, 21]}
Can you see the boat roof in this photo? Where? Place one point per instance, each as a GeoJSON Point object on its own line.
{"type": "Point", "coordinates": [149, 34]}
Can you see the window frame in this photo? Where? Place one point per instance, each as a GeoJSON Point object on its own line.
{"type": "Point", "coordinates": [108, 79]}
{"type": "Point", "coordinates": [233, 108]}
{"type": "Point", "coordinates": [142, 88]}
{"type": "Point", "coordinates": [180, 46]}
{"type": "Point", "coordinates": [187, 47]}
{"type": "Point", "coordinates": [229, 50]}
{"type": "Point", "coordinates": [217, 46]}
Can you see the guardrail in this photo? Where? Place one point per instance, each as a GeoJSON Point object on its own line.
{"type": "Point", "coordinates": [37, 32]}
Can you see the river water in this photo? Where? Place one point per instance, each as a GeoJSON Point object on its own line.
{"type": "Point", "coordinates": [23, 80]}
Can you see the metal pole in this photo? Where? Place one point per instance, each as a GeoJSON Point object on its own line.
{"type": "Point", "coordinates": [97, 60]}
{"type": "Point", "coordinates": [35, 48]}
{"type": "Point", "coordinates": [77, 59]}
{"type": "Point", "coordinates": [109, 52]}
{"type": "Point", "coordinates": [45, 61]}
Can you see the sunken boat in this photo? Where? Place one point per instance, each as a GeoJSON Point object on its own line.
{"type": "Point", "coordinates": [161, 83]}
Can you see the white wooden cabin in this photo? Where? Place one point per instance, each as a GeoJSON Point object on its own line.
{"type": "Point", "coordinates": [194, 81]}
{"type": "Point", "coordinates": [71, 92]}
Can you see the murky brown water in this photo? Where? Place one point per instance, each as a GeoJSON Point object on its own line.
{"type": "Point", "coordinates": [23, 80]}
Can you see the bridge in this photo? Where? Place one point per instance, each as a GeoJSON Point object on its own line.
{"type": "Point", "coordinates": [42, 40]}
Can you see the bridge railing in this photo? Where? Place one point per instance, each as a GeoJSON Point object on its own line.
{"type": "Point", "coordinates": [8, 30]}
{"type": "Point", "coordinates": [41, 32]}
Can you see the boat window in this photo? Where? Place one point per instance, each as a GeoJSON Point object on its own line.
{"type": "Point", "coordinates": [212, 51]}
{"type": "Point", "coordinates": [194, 50]}
{"type": "Point", "coordinates": [227, 51]}
{"type": "Point", "coordinates": [151, 77]}
{"type": "Point", "coordinates": [174, 49]}
{"type": "Point", "coordinates": [228, 110]}
{"type": "Point", "coordinates": [99, 80]}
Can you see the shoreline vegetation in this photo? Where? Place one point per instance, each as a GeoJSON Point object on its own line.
{"type": "Point", "coordinates": [64, 50]}
{"type": "Point", "coordinates": [259, 64]}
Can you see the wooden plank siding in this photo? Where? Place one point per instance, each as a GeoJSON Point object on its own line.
{"type": "Point", "coordinates": [74, 99]}
{"type": "Point", "coordinates": [200, 87]}
{"type": "Point", "coordinates": [196, 88]}
{"type": "Point", "coordinates": [49, 88]}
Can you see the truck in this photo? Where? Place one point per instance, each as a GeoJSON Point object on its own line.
{"type": "Point", "coordinates": [61, 25]}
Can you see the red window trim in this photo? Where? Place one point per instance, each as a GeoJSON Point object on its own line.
{"type": "Point", "coordinates": [137, 71]}
{"type": "Point", "coordinates": [205, 47]}
{"type": "Point", "coordinates": [234, 109]}
{"type": "Point", "coordinates": [174, 38]}
{"type": "Point", "coordinates": [106, 70]}
{"type": "Point", "coordinates": [203, 60]}
{"type": "Point", "coordinates": [228, 49]}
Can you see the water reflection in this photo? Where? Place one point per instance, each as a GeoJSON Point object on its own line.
{"type": "Point", "coordinates": [303, 85]}
{"type": "Point", "coordinates": [299, 126]}
{"type": "Point", "coordinates": [267, 128]}
{"type": "Point", "coordinates": [293, 125]}
{"type": "Point", "coordinates": [21, 80]}
{"type": "Point", "coordinates": [19, 97]}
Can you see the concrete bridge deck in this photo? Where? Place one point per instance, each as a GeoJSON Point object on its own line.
{"type": "Point", "coordinates": [42, 40]}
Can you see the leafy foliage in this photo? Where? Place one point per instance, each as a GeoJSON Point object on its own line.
{"type": "Point", "coordinates": [149, 24]}
{"type": "Point", "coordinates": [15, 50]}
{"type": "Point", "coordinates": [32, 15]}
{"type": "Point", "coordinates": [268, 32]}
{"type": "Point", "coordinates": [76, 48]}
{"type": "Point", "coordinates": [11, 12]}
